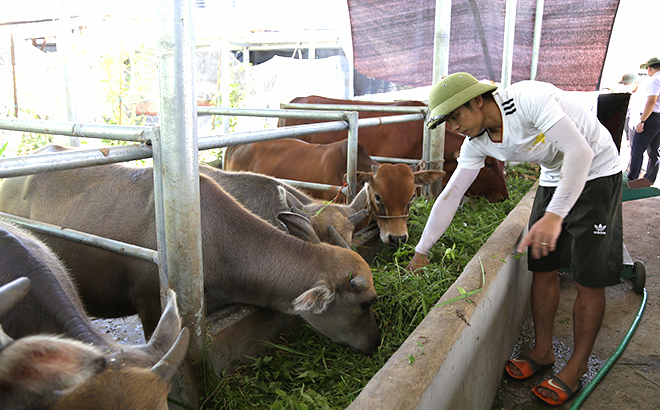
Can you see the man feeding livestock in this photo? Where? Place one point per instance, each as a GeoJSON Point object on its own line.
{"type": "Point", "coordinates": [576, 211]}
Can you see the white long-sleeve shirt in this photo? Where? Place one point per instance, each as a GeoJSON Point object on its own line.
{"type": "Point", "coordinates": [541, 124]}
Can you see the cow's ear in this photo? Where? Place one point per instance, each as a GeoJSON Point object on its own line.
{"type": "Point", "coordinates": [314, 300]}
{"type": "Point", "coordinates": [428, 176]}
{"type": "Point", "coordinates": [299, 226]}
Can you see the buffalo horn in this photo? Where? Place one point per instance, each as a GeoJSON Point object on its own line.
{"type": "Point", "coordinates": [358, 217]}
{"type": "Point", "coordinates": [339, 241]}
{"type": "Point", "coordinates": [359, 283]}
{"type": "Point", "coordinates": [168, 366]}
{"type": "Point", "coordinates": [10, 295]}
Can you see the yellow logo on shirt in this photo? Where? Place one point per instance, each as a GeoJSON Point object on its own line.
{"type": "Point", "coordinates": [540, 138]}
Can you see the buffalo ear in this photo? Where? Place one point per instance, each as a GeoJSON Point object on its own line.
{"type": "Point", "coordinates": [314, 300]}
{"type": "Point", "coordinates": [299, 226]}
{"type": "Point", "coordinates": [428, 177]}
{"type": "Point", "coordinates": [43, 364]}
{"type": "Point", "coordinates": [364, 177]}
{"type": "Point", "coordinates": [288, 199]}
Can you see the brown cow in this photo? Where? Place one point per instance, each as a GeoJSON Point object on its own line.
{"type": "Point", "coordinates": [56, 373]}
{"type": "Point", "coordinates": [404, 140]}
{"type": "Point", "coordinates": [390, 187]}
{"type": "Point", "coordinates": [245, 259]}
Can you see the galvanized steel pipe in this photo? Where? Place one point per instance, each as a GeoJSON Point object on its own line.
{"type": "Point", "coordinates": [103, 131]}
{"type": "Point", "coordinates": [346, 107]}
{"type": "Point", "coordinates": [100, 242]}
{"type": "Point", "coordinates": [56, 161]}
{"type": "Point", "coordinates": [176, 178]}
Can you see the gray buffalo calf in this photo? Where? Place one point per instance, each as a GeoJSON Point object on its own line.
{"type": "Point", "coordinates": [268, 197]}
{"type": "Point", "coordinates": [53, 305]}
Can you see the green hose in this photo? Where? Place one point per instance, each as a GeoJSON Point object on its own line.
{"type": "Point", "coordinates": [606, 367]}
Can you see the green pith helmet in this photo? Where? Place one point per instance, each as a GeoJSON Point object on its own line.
{"type": "Point", "coordinates": [450, 93]}
{"type": "Point", "coordinates": [629, 78]}
{"type": "Point", "coordinates": [652, 61]}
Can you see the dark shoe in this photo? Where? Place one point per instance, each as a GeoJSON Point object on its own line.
{"type": "Point", "coordinates": [639, 183]}
{"type": "Point", "coordinates": [564, 393]}
{"type": "Point", "coordinates": [528, 367]}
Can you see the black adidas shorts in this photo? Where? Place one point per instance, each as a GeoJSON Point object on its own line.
{"type": "Point", "coordinates": [591, 240]}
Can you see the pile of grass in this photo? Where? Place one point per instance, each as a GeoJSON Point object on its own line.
{"type": "Point", "coordinates": [306, 370]}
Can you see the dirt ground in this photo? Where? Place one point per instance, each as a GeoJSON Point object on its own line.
{"type": "Point", "coordinates": [633, 382]}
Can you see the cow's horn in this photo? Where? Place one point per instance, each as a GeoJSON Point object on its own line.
{"type": "Point", "coordinates": [168, 366]}
{"type": "Point", "coordinates": [358, 217]}
{"type": "Point", "coordinates": [339, 241]}
{"type": "Point", "coordinates": [359, 283]}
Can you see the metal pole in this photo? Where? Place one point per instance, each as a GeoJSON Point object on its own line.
{"type": "Point", "coordinates": [225, 59]}
{"type": "Point", "coordinates": [178, 173]}
{"type": "Point", "coordinates": [351, 162]}
{"type": "Point", "coordinates": [509, 31]}
{"type": "Point", "coordinates": [13, 73]}
{"type": "Point", "coordinates": [65, 49]}
{"type": "Point", "coordinates": [536, 45]}
{"type": "Point", "coordinates": [435, 139]}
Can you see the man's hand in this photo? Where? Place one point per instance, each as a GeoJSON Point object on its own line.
{"type": "Point", "coordinates": [639, 127]}
{"type": "Point", "coordinates": [418, 261]}
{"type": "Point", "coordinates": [542, 236]}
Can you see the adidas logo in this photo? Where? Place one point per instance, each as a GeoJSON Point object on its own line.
{"type": "Point", "coordinates": [600, 229]}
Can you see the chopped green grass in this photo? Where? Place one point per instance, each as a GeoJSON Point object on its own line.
{"type": "Point", "coordinates": [307, 371]}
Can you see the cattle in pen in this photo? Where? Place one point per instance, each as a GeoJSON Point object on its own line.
{"type": "Point", "coordinates": [405, 140]}
{"type": "Point", "coordinates": [389, 188]}
{"type": "Point", "coordinates": [245, 259]}
{"type": "Point", "coordinates": [52, 357]}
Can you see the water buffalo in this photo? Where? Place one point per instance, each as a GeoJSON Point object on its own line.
{"type": "Point", "coordinates": [390, 188]}
{"type": "Point", "coordinates": [404, 140]}
{"type": "Point", "coordinates": [245, 259]}
{"type": "Point", "coordinates": [53, 306]}
{"type": "Point", "coordinates": [268, 197]}
{"type": "Point", "coordinates": [56, 373]}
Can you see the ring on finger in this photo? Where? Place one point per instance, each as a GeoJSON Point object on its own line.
{"type": "Point", "coordinates": [545, 244]}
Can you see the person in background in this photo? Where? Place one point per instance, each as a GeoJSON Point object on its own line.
{"type": "Point", "coordinates": [576, 216]}
{"type": "Point", "coordinates": [629, 84]}
{"type": "Point", "coordinates": [647, 132]}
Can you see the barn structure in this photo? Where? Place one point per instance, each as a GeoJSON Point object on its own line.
{"type": "Point", "coordinates": [432, 38]}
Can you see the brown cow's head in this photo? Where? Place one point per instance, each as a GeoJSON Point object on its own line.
{"type": "Point", "coordinates": [340, 306]}
{"type": "Point", "coordinates": [391, 189]}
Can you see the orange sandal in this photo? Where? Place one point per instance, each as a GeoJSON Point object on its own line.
{"type": "Point", "coordinates": [564, 393]}
{"type": "Point", "coordinates": [528, 367]}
